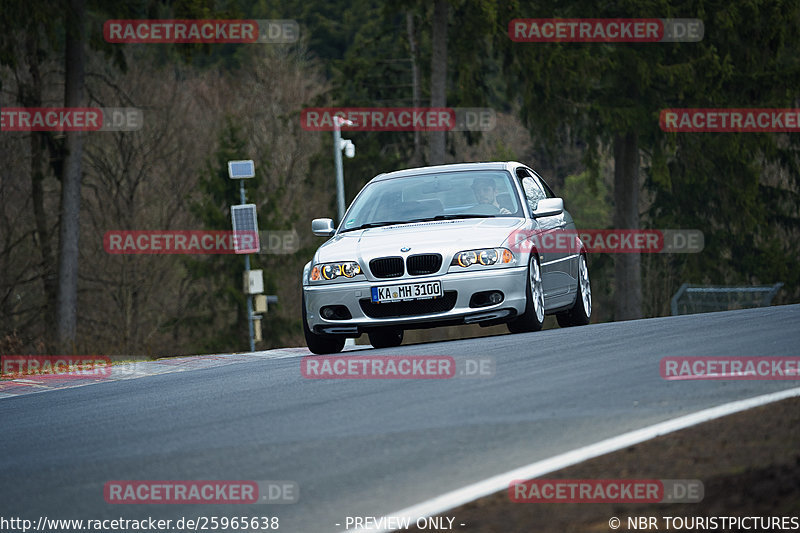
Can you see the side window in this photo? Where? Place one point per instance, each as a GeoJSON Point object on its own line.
{"type": "Point", "coordinates": [533, 193]}
{"type": "Point", "coordinates": [547, 190]}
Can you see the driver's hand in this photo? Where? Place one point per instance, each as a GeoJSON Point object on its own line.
{"type": "Point", "coordinates": [504, 211]}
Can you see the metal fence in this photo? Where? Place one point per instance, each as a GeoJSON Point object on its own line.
{"type": "Point", "coordinates": [705, 299]}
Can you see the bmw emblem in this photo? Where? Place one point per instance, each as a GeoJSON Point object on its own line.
{"type": "Point", "coordinates": [405, 249]}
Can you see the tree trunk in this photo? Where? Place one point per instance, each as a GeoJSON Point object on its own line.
{"type": "Point", "coordinates": [438, 76]}
{"type": "Point", "coordinates": [416, 157]}
{"type": "Point", "coordinates": [71, 180]}
{"type": "Point", "coordinates": [32, 97]}
{"type": "Point", "coordinates": [627, 266]}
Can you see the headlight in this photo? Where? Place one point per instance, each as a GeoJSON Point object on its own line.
{"type": "Point", "coordinates": [350, 269]}
{"type": "Point", "coordinates": [466, 259]}
{"type": "Point", "coordinates": [486, 257]}
{"type": "Point", "coordinates": [331, 271]}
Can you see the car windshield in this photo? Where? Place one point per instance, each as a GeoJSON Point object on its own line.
{"type": "Point", "coordinates": [441, 196]}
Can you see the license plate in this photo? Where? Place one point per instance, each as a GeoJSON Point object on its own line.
{"type": "Point", "coordinates": [409, 291]}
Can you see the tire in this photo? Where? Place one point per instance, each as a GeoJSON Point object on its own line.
{"type": "Point", "coordinates": [533, 317]}
{"type": "Point", "coordinates": [581, 311]}
{"type": "Point", "coordinates": [385, 338]}
{"type": "Point", "coordinates": [321, 344]}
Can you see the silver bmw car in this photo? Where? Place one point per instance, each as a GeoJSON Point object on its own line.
{"type": "Point", "coordinates": [443, 245]}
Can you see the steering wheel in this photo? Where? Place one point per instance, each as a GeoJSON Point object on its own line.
{"type": "Point", "coordinates": [486, 209]}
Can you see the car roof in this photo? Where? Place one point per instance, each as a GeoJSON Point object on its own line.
{"type": "Point", "coordinates": [455, 167]}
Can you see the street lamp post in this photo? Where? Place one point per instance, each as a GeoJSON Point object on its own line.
{"type": "Point", "coordinates": [349, 148]}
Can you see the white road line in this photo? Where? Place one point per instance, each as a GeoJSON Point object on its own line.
{"type": "Point", "coordinates": [450, 500]}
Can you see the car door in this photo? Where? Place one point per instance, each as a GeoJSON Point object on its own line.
{"type": "Point", "coordinates": [565, 266]}
{"type": "Point", "coordinates": [550, 232]}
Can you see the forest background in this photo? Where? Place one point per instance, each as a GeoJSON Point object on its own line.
{"type": "Point", "coordinates": [584, 115]}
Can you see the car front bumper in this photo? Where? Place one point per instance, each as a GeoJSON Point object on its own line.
{"type": "Point", "coordinates": [458, 289]}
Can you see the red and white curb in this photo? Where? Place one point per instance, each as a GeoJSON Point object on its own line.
{"type": "Point", "coordinates": [10, 388]}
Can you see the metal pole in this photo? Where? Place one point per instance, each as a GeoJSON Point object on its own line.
{"type": "Point", "coordinates": [674, 301]}
{"type": "Point", "coordinates": [337, 156]}
{"type": "Point", "coordinates": [247, 274]}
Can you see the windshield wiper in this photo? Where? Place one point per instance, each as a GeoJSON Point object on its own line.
{"type": "Point", "coordinates": [462, 215]}
{"type": "Point", "coordinates": [375, 225]}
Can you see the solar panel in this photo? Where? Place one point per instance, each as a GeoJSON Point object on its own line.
{"type": "Point", "coordinates": [245, 229]}
{"type": "Point", "coordinates": [241, 169]}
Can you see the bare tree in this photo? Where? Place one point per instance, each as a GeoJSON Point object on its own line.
{"type": "Point", "coordinates": [438, 77]}
{"type": "Point", "coordinates": [627, 267]}
{"type": "Point", "coordinates": [140, 180]}
{"type": "Point", "coordinates": [416, 89]}
{"type": "Point", "coordinates": [69, 235]}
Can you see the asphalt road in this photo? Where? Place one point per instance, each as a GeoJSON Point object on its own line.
{"type": "Point", "coordinates": [367, 447]}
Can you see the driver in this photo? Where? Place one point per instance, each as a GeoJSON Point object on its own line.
{"type": "Point", "coordinates": [486, 193]}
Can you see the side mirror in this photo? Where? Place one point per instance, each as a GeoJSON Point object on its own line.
{"type": "Point", "coordinates": [548, 207]}
{"type": "Point", "coordinates": [322, 227]}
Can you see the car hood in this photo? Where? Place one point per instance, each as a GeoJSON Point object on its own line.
{"type": "Point", "coordinates": [441, 236]}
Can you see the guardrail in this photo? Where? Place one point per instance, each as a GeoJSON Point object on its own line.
{"type": "Point", "coordinates": [709, 298]}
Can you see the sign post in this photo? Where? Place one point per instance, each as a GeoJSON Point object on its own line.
{"type": "Point", "coordinates": [245, 230]}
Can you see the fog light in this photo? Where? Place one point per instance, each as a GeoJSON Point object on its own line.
{"type": "Point", "coordinates": [335, 312]}
{"type": "Point", "coordinates": [484, 298]}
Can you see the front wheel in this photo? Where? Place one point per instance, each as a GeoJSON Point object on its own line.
{"type": "Point", "coordinates": [581, 312]}
{"type": "Point", "coordinates": [533, 317]}
{"type": "Point", "coordinates": [385, 338]}
{"type": "Point", "coordinates": [321, 344]}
